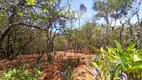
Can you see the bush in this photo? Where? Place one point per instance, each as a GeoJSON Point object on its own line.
{"type": "Point", "coordinates": [117, 63]}
{"type": "Point", "coordinates": [20, 74]}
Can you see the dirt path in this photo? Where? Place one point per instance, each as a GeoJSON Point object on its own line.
{"type": "Point", "coordinates": [79, 73]}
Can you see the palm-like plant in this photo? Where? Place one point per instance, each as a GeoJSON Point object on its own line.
{"type": "Point", "coordinates": [119, 63]}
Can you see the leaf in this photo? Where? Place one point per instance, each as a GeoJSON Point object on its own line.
{"type": "Point", "coordinates": [20, 14]}
{"type": "Point", "coordinates": [38, 72]}
{"type": "Point", "coordinates": [123, 60]}
{"type": "Point", "coordinates": [95, 65]}
{"type": "Point", "coordinates": [112, 53]}
{"type": "Point", "coordinates": [30, 2]}
{"type": "Point", "coordinates": [44, 10]}
{"type": "Point", "coordinates": [119, 47]}
{"type": "Point", "coordinates": [111, 50]}
{"type": "Point", "coordinates": [69, 12]}
{"type": "Point", "coordinates": [138, 63]}
{"type": "Point", "coordinates": [139, 53]}
{"type": "Point", "coordinates": [102, 53]}
{"type": "Point", "coordinates": [136, 66]}
{"type": "Point", "coordinates": [130, 48]}
{"type": "Point", "coordinates": [1, 15]}
{"type": "Point", "coordinates": [136, 58]}
{"type": "Point", "coordinates": [54, 0]}
{"type": "Point", "coordinates": [95, 50]}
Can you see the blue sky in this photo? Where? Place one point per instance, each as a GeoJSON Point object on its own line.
{"type": "Point", "coordinates": [87, 3]}
{"type": "Point", "coordinates": [90, 12]}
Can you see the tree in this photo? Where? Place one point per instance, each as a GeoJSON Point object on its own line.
{"type": "Point", "coordinates": [114, 10]}
{"type": "Point", "coordinates": [82, 10]}
{"type": "Point", "coordinates": [45, 15]}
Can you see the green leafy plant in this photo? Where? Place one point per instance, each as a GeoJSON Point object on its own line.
{"type": "Point", "coordinates": [119, 63]}
{"type": "Point", "coordinates": [19, 74]}
{"type": "Point", "coordinates": [30, 2]}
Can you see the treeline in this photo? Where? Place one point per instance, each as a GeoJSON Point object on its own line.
{"type": "Point", "coordinates": [42, 26]}
{"type": "Point", "coordinates": [92, 35]}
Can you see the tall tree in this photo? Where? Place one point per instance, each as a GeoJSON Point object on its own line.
{"type": "Point", "coordinates": [82, 10]}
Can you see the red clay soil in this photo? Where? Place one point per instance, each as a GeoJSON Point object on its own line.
{"type": "Point", "coordinates": [52, 71]}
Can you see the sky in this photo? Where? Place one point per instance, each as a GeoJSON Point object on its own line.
{"type": "Point", "coordinates": [88, 3]}
{"type": "Point", "coordinates": [90, 12]}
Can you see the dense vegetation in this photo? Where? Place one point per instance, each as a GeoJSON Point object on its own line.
{"type": "Point", "coordinates": [44, 26]}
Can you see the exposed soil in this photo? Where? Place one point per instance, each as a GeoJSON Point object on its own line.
{"type": "Point", "coordinates": [52, 71]}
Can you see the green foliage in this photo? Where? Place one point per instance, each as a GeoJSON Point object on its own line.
{"type": "Point", "coordinates": [110, 6]}
{"type": "Point", "coordinates": [30, 2]}
{"type": "Point", "coordinates": [117, 61]}
{"type": "Point", "coordinates": [60, 43]}
{"type": "Point", "coordinates": [25, 30]}
{"type": "Point", "coordinates": [20, 74]}
{"type": "Point", "coordinates": [117, 4]}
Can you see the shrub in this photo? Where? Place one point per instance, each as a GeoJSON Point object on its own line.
{"type": "Point", "coordinates": [118, 63]}
{"type": "Point", "coordinates": [20, 74]}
